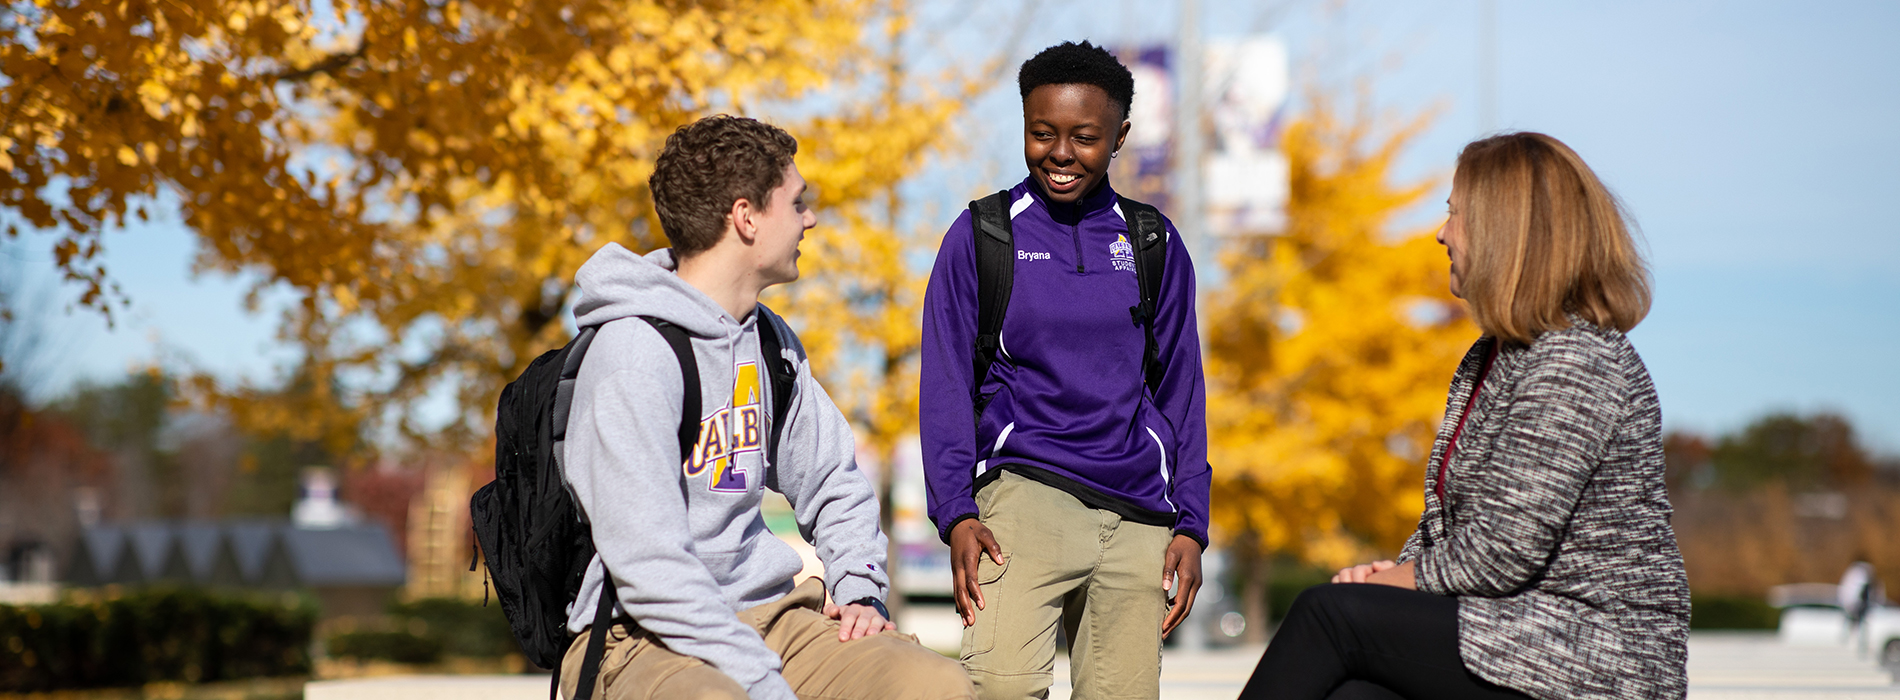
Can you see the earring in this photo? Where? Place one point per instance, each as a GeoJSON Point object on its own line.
{"type": "Point", "coordinates": [1114, 154]}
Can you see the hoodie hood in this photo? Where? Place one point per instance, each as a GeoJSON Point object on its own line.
{"type": "Point", "coordinates": [616, 283]}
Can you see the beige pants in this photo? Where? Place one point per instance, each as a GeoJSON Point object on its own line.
{"type": "Point", "coordinates": [1095, 573]}
{"type": "Point", "coordinates": [816, 664]}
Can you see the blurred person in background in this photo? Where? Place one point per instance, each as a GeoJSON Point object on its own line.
{"type": "Point", "coordinates": [1858, 593]}
{"type": "Point", "coordinates": [1068, 472]}
{"type": "Point", "coordinates": [1544, 564]}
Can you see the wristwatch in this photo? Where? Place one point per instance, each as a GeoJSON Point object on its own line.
{"type": "Point", "coordinates": [875, 604]}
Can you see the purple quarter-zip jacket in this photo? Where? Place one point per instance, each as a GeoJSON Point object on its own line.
{"type": "Point", "coordinates": [1070, 408]}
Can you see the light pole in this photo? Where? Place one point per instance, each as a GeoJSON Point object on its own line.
{"type": "Point", "coordinates": [1190, 146]}
{"type": "Point", "coordinates": [1189, 212]}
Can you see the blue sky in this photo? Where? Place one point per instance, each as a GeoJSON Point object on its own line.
{"type": "Point", "coordinates": [1753, 142]}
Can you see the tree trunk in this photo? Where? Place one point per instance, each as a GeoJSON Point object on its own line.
{"type": "Point", "coordinates": [1257, 591]}
{"type": "Point", "coordinates": [886, 521]}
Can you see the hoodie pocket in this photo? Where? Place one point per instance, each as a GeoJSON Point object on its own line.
{"type": "Point", "coordinates": [760, 560]}
{"type": "Point", "coordinates": [721, 564]}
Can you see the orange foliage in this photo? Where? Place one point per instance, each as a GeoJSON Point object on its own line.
{"type": "Point", "coordinates": [424, 176]}
{"type": "Point", "coordinates": [1329, 354]}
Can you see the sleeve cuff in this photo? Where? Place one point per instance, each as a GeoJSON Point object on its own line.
{"type": "Point", "coordinates": [1422, 578]}
{"type": "Point", "coordinates": [944, 534]}
{"type": "Point", "coordinates": [852, 588]}
{"type": "Point", "coordinates": [874, 604]}
{"type": "Point", "coordinates": [1197, 537]}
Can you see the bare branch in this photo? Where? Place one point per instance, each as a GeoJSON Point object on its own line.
{"type": "Point", "coordinates": [328, 65]}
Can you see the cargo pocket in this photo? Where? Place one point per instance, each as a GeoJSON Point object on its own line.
{"type": "Point", "coordinates": [988, 571]}
{"type": "Point", "coordinates": [981, 637]}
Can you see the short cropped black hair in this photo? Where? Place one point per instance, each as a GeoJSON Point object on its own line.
{"type": "Point", "coordinates": [709, 164]}
{"type": "Point", "coordinates": [1069, 63]}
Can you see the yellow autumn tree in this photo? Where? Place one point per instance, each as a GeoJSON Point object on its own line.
{"type": "Point", "coordinates": [861, 295]}
{"type": "Point", "coordinates": [424, 176]}
{"type": "Point", "coordinates": [1330, 351]}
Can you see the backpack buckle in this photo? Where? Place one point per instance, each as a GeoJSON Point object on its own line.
{"type": "Point", "coordinates": [1141, 312]}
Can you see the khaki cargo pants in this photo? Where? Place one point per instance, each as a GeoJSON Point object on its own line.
{"type": "Point", "coordinates": [1088, 569]}
{"type": "Point", "coordinates": [816, 664]}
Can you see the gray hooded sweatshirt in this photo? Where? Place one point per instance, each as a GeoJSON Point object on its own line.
{"type": "Point", "coordinates": [684, 538]}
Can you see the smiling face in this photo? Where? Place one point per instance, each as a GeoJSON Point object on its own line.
{"type": "Point", "coordinates": [781, 226]}
{"type": "Point", "coordinates": [1452, 236]}
{"type": "Point", "coordinates": [1070, 133]}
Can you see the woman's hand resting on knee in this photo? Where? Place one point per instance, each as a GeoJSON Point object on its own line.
{"type": "Point", "coordinates": [1381, 572]}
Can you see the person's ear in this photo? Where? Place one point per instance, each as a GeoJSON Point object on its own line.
{"type": "Point", "coordinates": [741, 217]}
{"type": "Point", "coordinates": [1122, 137]}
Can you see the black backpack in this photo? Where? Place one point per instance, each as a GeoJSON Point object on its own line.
{"type": "Point", "coordinates": [535, 542]}
{"type": "Point", "coordinates": [996, 274]}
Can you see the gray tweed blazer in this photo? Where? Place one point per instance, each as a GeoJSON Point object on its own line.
{"type": "Point", "coordinates": [1554, 532]}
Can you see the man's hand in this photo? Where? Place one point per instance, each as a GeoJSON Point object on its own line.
{"type": "Point", "coordinates": [969, 540]}
{"type": "Point", "coordinates": [856, 621]}
{"type": "Point", "coordinates": [1382, 572]}
{"type": "Point", "coordinates": [1181, 578]}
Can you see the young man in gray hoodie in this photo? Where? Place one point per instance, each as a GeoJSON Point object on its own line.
{"type": "Point", "coordinates": [709, 589]}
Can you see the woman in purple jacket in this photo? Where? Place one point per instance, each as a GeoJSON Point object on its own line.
{"type": "Point", "coordinates": [1071, 490]}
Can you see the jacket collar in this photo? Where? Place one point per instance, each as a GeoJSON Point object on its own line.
{"type": "Point", "coordinates": [1103, 197]}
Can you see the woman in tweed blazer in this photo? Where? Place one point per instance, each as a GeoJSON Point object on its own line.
{"type": "Point", "coordinates": [1544, 565]}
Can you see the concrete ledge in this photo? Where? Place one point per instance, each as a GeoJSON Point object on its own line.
{"type": "Point", "coordinates": [1722, 666]}
{"type": "Point", "coordinates": [521, 687]}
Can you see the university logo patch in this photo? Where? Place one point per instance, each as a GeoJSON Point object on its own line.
{"type": "Point", "coordinates": [730, 432]}
{"type": "Point", "coordinates": [1121, 254]}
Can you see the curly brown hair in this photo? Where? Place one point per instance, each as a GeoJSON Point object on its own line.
{"type": "Point", "coordinates": [709, 164]}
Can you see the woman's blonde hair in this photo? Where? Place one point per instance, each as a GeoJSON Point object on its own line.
{"type": "Point", "coordinates": [1543, 239]}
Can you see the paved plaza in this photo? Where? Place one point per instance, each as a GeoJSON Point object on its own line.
{"type": "Point", "coordinates": [1759, 667]}
{"type": "Point", "coordinates": [1721, 667]}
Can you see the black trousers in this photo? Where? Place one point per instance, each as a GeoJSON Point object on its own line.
{"type": "Point", "coordinates": [1362, 641]}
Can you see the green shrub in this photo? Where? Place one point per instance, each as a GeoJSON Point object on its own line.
{"type": "Point", "coordinates": [424, 631]}
{"type": "Point", "coordinates": [397, 646]}
{"type": "Point", "coordinates": [464, 628]}
{"type": "Point", "coordinates": [151, 635]}
{"type": "Point", "coordinates": [1712, 612]}
{"type": "Point", "coordinates": [1289, 583]}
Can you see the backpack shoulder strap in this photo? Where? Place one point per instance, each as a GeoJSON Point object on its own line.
{"type": "Point", "coordinates": [596, 642]}
{"type": "Point", "coordinates": [689, 376]}
{"type": "Point", "coordinates": [570, 371]}
{"type": "Point", "coordinates": [995, 274]}
{"type": "Point", "coordinates": [1150, 237]}
{"type": "Point", "coordinates": [783, 376]}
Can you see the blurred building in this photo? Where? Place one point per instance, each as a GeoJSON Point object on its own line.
{"type": "Point", "coordinates": [50, 485]}
{"type": "Point", "coordinates": [351, 566]}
